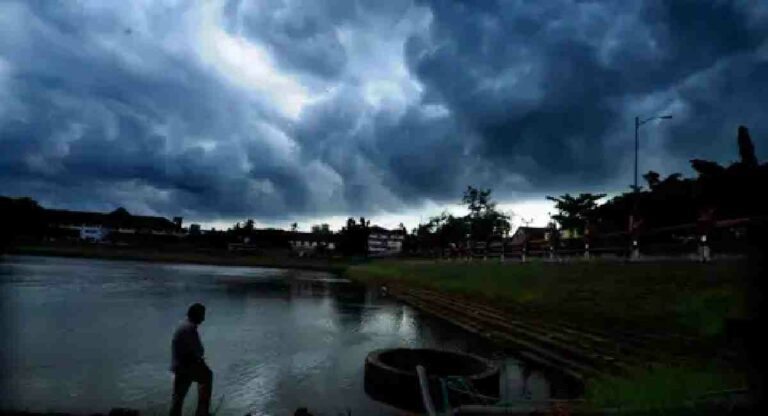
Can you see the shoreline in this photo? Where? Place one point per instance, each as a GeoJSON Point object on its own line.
{"type": "Point", "coordinates": [337, 266]}
{"type": "Point", "coordinates": [558, 347]}
{"type": "Point", "coordinates": [547, 313]}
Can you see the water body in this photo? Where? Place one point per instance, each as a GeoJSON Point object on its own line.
{"type": "Point", "coordinates": [82, 335]}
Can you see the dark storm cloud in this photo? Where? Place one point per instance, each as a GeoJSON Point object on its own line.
{"type": "Point", "coordinates": [171, 135]}
{"type": "Point", "coordinates": [220, 110]}
{"type": "Point", "coordinates": [304, 34]}
{"type": "Point", "coordinates": [552, 82]}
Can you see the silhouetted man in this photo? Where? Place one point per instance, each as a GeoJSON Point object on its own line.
{"type": "Point", "coordinates": [188, 364]}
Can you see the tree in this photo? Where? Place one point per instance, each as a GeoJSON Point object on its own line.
{"type": "Point", "coordinates": [484, 221]}
{"type": "Point", "coordinates": [353, 238]}
{"type": "Point", "coordinates": [322, 229]}
{"type": "Point", "coordinates": [120, 212]}
{"type": "Point", "coordinates": [422, 238]}
{"type": "Point", "coordinates": [20, 217]}
{"type": "Point", "coordinates": [746, 148]}
{"type": "Point", "coordinates": [448, 229]}
{"type": "Point", "coordinates": [477, 200]}
{"type": "Point", "coordinates": [653, 179]}
{"type": "Point", "coordinates": [731, 192]}
{"type": "Point", "coordinates": [119, 218]}
{"type": "Point", "coordinates": [294, 227]}
{"type": "Point", "coordinates": [574, 211]}
{"type": "Point", "coordinates": [706, 168]}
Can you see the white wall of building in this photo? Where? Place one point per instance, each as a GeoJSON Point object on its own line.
{"type": "Point", "coordinates": [94, 233]}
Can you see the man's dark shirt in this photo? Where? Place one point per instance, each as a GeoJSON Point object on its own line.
{"type": "Point", "coordinates": [186, 347]}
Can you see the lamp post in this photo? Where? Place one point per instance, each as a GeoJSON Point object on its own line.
{"type": "Point", "coordinates": [639, 123]}
{"type": "Point", "coordinates": [635, 249]}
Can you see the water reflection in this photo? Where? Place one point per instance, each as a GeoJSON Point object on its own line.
{"type": "Point", "coordinates": [87, 335]}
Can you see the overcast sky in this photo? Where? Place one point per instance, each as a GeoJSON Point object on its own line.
{"type": "Point", "coordinates": [316, 110]}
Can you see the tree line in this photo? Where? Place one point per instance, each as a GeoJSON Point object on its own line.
{"type": "Point", "coordinates": [726, 192]}
{"type": "Point", "coordinates": [717, 192]}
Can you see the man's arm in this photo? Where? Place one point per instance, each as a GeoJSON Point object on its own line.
{"type": "Point", "coordinates": [187, 346]}
{"type": "Point", "coordinates": [197, 346]}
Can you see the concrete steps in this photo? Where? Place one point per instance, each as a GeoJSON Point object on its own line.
{"type": "Point", "coordinates": [575, 352]}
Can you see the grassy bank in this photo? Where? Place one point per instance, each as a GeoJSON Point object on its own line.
{"type": "Point", "coordinates": [688, 298]}
{"type": "Point", "coordinates": [220, 258]}
{"type": "Point", "coordinates": [682, 298]}
{"type": "Point", "coordinates": [660, 388]}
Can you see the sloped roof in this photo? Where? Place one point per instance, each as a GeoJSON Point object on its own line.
{"type": "Point", "coordinates": [382, 230]}
{"type": "Point", "coordinates": [530, 233]}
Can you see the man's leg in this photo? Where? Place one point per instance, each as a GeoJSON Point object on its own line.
{"type": "Point", "coordinates": [204, 378]}
{"type": "Point", "coordinates": [181, 385]}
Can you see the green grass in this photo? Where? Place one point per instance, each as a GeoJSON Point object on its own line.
{"type": "Point", "coordinates": [689, 298]}
{"type": "Point", "coordinates": [686, 298]}
{"type": "Point", "coordinates": [659, 390]}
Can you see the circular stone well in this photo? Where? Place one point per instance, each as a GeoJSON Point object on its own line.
{"type": "Point", "coordinates": [390, 376]}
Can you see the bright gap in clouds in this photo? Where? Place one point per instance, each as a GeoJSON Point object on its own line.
{"type": "Point", "coordinates": [248, 65]}
{"type": "Point", "coordinates": [533, 212]}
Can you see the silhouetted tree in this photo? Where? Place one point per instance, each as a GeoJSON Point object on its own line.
{"type": "Point", "coordinates": [729, 192]}
{"type": "Point", "coordinates": [707, 168]}
{"type": "Point", "coordinates": [746, 148]}
{"type": "Point", "coordinates": [353, 238]}
{"type": "Point", "coordinates": [477, 200]}
{"type": "Point", "coordinates": [653, 179]}
{"type": "Point", "coordinates": [485, 221]}
{"type": "Point", "coordinates": [20, 218]}
{"type": "Point", "coordinates": [322, 229]}
{"type": "Point", "coordinates": [447, 229]}
{"type": "Point", "coordinates": [120, 212]}
{"type": "Point", "coordinates": [574, 211]}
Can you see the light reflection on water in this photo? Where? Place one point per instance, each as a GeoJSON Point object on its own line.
{"type": "Point", "coordinates": [88, 335]}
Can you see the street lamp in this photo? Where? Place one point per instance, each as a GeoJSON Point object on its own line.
{"type": "Point", "coordinates": [635, 250]}
{"type": "Point", "coordinates": [639, 123]}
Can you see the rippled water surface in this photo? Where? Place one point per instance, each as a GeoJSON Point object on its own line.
{"type": "Point", "coordinates": [88, 335]}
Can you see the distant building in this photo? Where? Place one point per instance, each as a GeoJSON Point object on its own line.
{"type": "Point", "coordinates": [194, 229]}
{"type": "Point", "coordinates": [96, 226]}
{"type": "Point", "coordinates": [525, 234]}
{"type": "Point", "coordinates": [95, 233]}
{"type": "Point", "coordinates": [383, 242]}
{"type": "Point", "coordinates": [245, 247]}
{"type": "Point", "coordinates": [571, 233]}
{"type": "Point", "coordinates": [305, 244]}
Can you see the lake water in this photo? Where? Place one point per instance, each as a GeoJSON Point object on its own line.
{"type": "Point", "coordinates": [84, 335]}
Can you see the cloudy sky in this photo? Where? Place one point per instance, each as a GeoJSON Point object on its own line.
{"type": "Point", "coordinates": [310, 111]}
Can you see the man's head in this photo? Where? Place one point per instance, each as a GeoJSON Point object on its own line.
{"type": "Point", "coordinates": [196, 313]}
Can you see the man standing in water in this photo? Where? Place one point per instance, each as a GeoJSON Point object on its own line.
{"type": "Point", "coordinates": [188, 364]}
